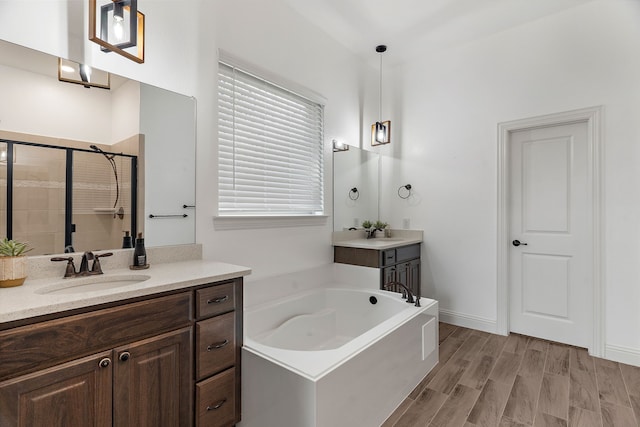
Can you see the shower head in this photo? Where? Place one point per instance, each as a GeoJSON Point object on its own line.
{"type": "Point", "coordinates": [112, 162]}
{"type": "Point", "coordinates": [99, 150]}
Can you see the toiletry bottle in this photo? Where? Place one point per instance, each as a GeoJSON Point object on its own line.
{"type": "Point", "coordinates": [127, 241]}
{"type": "Point", "coordinates": [139, 253]}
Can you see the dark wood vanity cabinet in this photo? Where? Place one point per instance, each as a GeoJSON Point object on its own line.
{"type": "Point", "coordinates": [131, 364]}
{"type": "Point", "coordinates": [400, 264]}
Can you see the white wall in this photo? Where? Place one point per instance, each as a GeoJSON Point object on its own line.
{"type": "Point", "coordinates": [449, 107]}
{"type": "Point", "coordinates": [34, 104]}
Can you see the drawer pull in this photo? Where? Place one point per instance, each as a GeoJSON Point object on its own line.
{"type": "Point", "coordinates": [218, 300]}
{"type": "Point", "coordinates": [217, 405]}
{"type": "Point", "coordinates": [218, 345]}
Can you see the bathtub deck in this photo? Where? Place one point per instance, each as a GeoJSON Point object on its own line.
{"type": "Point", "coordinates": [491, 380]}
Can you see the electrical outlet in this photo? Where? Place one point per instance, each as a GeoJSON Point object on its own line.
{"type": "Point", "coordinates": [406, 223]}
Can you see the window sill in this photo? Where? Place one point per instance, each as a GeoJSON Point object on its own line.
{"type": "Point", "coordinates": [245, 222]}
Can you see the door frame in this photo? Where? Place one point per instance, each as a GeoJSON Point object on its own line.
{"type": "Point", "coordinates": [592, 116]}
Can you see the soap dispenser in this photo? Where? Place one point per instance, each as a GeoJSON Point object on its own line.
{"type": "Point", "coordinates": [127, 241]}
{"type": "Point", "coordinates": [139, 255]}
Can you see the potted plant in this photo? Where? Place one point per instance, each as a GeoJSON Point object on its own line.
{"type": "Point", "coordinates": [13, 263]}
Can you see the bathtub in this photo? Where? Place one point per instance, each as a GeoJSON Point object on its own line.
{"type": "Point", "coordinates": [334, 357]}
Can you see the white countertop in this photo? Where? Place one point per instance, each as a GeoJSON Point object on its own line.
{"type": "Point", "coordinates": [27, 301]}
{"type": "Point", "coordinates": [357, 239]}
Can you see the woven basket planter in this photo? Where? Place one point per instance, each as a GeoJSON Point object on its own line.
{"type": "Point", "coordinates": [13, 271]}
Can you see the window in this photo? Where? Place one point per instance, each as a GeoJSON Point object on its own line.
{"type": "Point", "coordinates": [270, 148]}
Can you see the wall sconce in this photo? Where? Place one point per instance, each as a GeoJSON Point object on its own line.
{"type": "Point", "coordinates": [406, 193]}
{"type": "Point", "coordinates": [380, 131]}
{"type": "Point", "coordinates": [73, 72]}
{"type": "Point", "coordinates": [121, 27]}
{"type": "Point", "coordinates": [339, 146]}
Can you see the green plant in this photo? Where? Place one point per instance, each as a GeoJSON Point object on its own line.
{"type": "Point", "coordinates": [366, 224]}
{"type": "Point", "coordinates": [380, 225]}
{"type": "Point", "coordinates": [13, 248]}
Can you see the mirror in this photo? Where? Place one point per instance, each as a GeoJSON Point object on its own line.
{"type": "Point", "coordinates": [355, 187]}
{"type": "Point", "coordinates": [131, 120]}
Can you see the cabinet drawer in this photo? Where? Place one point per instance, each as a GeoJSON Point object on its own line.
{"type": "Point", "coordinates": [44, 344]}
{"type": "Point", "coordinates": [215, 300]}
{"type": "Point", "coordinates": [216, 400]}
{"type": "Point", "coordinates": [406, 253]}
{"type": "Point", "coordinates": [216, 344]}
{"type": "Point", "coordinates": [389, 257]}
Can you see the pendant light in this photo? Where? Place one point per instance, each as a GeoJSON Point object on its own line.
{"type": "Point", "coordinates": [380, 131]}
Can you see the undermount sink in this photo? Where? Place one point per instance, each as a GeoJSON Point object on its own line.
{"type": "Point", "coordinates": [93, 283]}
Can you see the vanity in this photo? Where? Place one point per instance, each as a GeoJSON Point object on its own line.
{"type": "Point", "coordinates": [164, 351]}
{"type": "Point", "coordinates": [397, 258]}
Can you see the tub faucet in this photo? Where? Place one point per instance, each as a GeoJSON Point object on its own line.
{"type": "Point", "coordinates": [410, 297]}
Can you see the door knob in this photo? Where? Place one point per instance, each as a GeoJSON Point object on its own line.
{"type": "Point", "coordinates": [518, 243]}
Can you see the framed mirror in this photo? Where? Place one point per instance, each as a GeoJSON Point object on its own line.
{"type": "Point", "coordinates": [80, 165]}
{"type": "Point", "coordinates": [355, 187]}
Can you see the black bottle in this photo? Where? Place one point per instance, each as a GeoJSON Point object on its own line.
{"type": "Point", "coordinates": [139, 253]}
{"type": "Point", "coordinates": [127, 241]}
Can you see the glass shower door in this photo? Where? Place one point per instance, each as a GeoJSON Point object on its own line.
{"type": "Point", "coordinates": [38, 202]}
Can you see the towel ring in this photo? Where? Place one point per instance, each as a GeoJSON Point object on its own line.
{"type": "Point", "coordinates": [354, 194]}
{"type": "Point", "coordinates": [407, 192]}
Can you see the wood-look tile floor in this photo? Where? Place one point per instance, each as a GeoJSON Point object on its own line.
{"type": "Point", "coordinates": [496, 381]}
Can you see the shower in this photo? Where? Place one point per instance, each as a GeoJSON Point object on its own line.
{"type": "Point", "coordinates": [112, 162]}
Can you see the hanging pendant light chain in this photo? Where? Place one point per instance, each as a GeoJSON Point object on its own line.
{"type": "Point", "coordinates": [380, 95]}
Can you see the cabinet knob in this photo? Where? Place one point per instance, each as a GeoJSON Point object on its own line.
{"type": "Point", "coordinates": [104, 362]}
{"type": "Point", "coordinates": [217, 405]}
{"type": "Point", "coordinates": [217, 345]}
{"type": "Point", "coordinates": [124, 356]}
{"type": "Point", "coordinates": [218, 300]}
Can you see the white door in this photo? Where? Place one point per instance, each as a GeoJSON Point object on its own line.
{"type": "Point", "coordinates": [550, 265]}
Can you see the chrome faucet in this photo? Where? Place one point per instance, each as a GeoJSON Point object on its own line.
{"type": "Point", "coordinates": [407, 291]}
{"type": "Point", "coordinates": [84, 270]}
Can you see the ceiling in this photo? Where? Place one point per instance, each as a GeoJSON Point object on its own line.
{"type": "Point", "coordinates": [409, 27]}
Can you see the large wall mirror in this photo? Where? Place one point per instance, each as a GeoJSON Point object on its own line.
{"type": "Point", "coordinates": [355, 187]}
{"type": "Point", "coordinates": [81, 165]}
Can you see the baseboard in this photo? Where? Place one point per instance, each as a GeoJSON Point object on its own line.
{"type": "Point", "coordinates": [630, 356]}
{"type": "Point", "coordinates": [468, 321]}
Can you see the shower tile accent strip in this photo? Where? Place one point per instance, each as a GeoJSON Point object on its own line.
{"type": "Point", "coordinates": [493, 381]}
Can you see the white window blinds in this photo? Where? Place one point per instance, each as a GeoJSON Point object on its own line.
{"type": "Point", "coordinates": [270, 148]}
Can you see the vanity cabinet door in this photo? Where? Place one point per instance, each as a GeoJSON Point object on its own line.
{"type": "Point", "coordinates": [152, 381]}
{"type": "Point", "coordinates": [77, 393]}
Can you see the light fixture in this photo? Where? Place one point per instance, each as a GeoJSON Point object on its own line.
{"type": "Point", "coordinates": [121, 27]}
{"type": "Point", "coordinates": [82, 74]}
{"type": "Point", "coordinates": [380, 131]}
{"type": "Point", "coordinates": [339, 146]}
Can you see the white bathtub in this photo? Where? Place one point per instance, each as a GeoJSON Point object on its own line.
{"type": "Point", "coordinates": [334, 357]}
